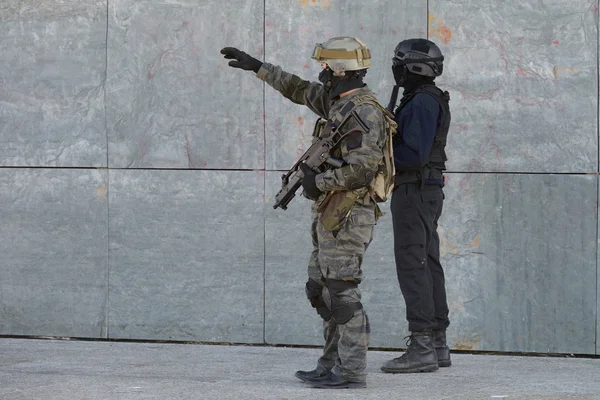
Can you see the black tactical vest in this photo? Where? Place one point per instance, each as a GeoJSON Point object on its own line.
{"type": "Point", "coordinates": [437, 157]}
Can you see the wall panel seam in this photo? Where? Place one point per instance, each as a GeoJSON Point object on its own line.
{"type": "Point", "coordinates": [427, 21]}
{"type": "Point", "coordinates": [264, 166]}
{"type": "Point", "coordinates": [596, 17]}
{"type": "Point", "coordinates": [107, 310]}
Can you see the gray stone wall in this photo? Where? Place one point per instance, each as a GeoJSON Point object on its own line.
{"type": "Point", "coordinates": [137, 170]}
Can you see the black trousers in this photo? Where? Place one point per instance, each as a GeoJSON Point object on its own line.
{"type": "Point", "coordinates": [415, 214]}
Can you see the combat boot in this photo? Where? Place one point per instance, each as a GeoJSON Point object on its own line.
{"type": "Point", "coordinates": [312, 376]}
{"type": "Point", "coordinates": [338, 382]}
{"type": "Point", "coordinates": [419, 357]}
{"type": "Point", "coordinates": [441, 348]}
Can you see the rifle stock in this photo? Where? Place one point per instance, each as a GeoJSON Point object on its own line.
{"type": "Point", "coordinates": [393, 99]}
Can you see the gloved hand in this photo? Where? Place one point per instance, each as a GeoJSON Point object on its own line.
{"type": "Point", "coordinates": [242, 60]}
{"type": "Point", "coordinates": [311, 191]}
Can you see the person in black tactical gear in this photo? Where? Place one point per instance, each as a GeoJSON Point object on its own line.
{"type": "Point", "coordinates": [423, 118]}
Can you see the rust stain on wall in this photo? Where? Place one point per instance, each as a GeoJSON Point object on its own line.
{"type": "Point", "coordinates": [325, 4]}
{"type": "Point", "coordinates": [467, 343]}
{"type": "Point", "coordinates": [438, 29]}
{"type": "Point", "coordinates": [101, 192]}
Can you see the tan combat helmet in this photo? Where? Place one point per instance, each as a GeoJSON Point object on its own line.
{"type": "Point", "coordinates": [343, 53]}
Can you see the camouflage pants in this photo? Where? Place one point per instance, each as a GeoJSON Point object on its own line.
{"type": "Point", "coordinates": [339, 255]}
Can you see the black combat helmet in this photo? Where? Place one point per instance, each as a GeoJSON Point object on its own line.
{"type": "Point", "coordinates": [419, 56]}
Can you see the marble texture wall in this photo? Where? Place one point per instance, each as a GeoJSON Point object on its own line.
{"type": "Point", "coordinates": [138, 171]}
{"type": "Point", "coordinates": [52, 72]}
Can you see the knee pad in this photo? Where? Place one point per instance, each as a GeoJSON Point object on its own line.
{"type": "Point", "coordinates": [313, 289]}
{"type": "Point", "coordinates": [341, 311]}
{"type": "Point", "coordinates": [314, 293]}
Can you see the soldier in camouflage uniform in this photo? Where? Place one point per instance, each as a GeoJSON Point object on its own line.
{"type": "Point", "coordinates": [334, 270]}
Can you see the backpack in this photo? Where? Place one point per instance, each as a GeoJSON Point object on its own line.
{"type": "Point", "coordinates": [382, 185]}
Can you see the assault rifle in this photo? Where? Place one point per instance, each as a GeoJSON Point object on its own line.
{"type": "Point", "coordinates": [317, 155]}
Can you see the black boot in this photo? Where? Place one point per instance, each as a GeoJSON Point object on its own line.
{"type": "Point", "coordinates": [441, 348]}
{"type": "Point", "coordinates": [419, 357]}
{"type": "Point", "coordinates": [338, 382]}
{"type": "Point", "coordinates": [312, 376]}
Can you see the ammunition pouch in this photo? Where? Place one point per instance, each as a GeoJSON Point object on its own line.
{"type": "Point", "coordinates": [336, 207]}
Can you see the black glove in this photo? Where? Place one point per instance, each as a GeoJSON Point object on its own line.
{"type": "Point", "coordinates": [242, 60]}
{"type": "Point", "coordinates": [311, 191]}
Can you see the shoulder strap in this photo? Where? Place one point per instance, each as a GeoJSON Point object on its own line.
{"type": "Point", "coordinates": [442, 97]}
{"type": "Point", "coordinates": [383, 184]}
{"type": "Point", "coordinates": [341, 116]}
{"type": "Point", "coordinates": [369, 99]}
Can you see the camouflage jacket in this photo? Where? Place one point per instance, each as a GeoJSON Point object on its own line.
{"type": "Point", "coordinates": [361, 152]}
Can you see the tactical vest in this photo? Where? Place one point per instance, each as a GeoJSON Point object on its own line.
{"type": "Point", "coordinates": [436, 162]}
{"type": "Point", "coordinates": [382, 185]}
{"type": "Point", "coordinates": [336, 206]}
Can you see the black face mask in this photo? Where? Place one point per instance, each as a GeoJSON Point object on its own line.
{"type": "Point", "coordinates": [325, 77]}
{"type": "Point", "coordinates": [335, 85]}
{"type": "Point", "coordinates": [400, 74]}
{"type": "Point", "coordinates": [408, 80]}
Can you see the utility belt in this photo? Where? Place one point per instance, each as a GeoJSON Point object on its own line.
{"type": "Point", "coordinates": [419, 176]}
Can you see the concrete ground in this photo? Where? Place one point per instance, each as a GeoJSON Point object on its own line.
{"type": "Point", "coordinates": [60, 369]}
